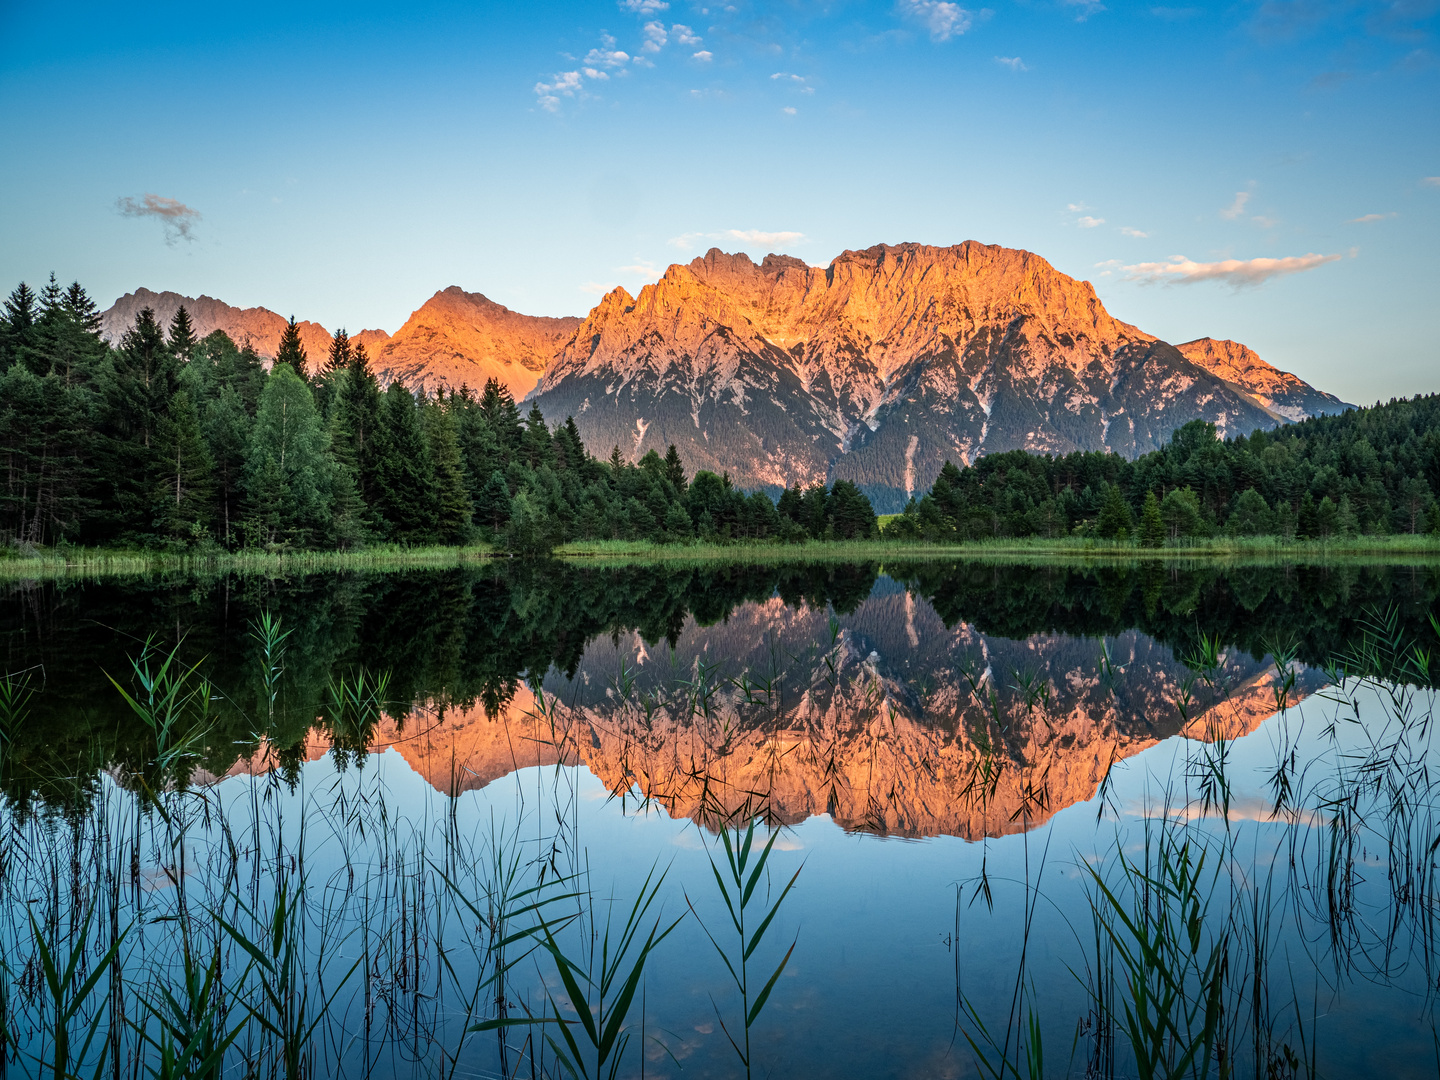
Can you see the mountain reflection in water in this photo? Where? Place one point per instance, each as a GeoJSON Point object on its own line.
{"type": "Point", "coordinates": [927, 699]}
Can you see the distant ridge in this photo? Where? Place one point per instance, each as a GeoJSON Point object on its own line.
{"type": "Point", "coordinates": [877, 368]}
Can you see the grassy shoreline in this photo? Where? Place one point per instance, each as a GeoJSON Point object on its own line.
{"type": "Point", "coordinates": [104, 562]}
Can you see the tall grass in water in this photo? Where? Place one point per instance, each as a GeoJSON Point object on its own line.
{"type": "Point", "coordinates": [1204, 934]}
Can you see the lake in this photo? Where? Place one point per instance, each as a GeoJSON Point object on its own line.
{"type": "Point", "coordinates": [932, 819]}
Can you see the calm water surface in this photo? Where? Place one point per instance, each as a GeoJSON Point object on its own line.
{"type": "Point", "coordinates": [953, 757]}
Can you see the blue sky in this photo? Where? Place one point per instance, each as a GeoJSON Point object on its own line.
{"type": "Point", "coordinates": [343, 162]}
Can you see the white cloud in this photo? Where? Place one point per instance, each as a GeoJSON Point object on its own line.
{"type": "Point", "coordinates": [703, 56]}
{"type": "Point", "coordinates": [1236, 208]}
{"type": "Point", "coordinates": [607, 55]}
{"type": "Point", "coordinates": [1088, 222]}
{"type": "Point", "coordinates": [789, 110]}
{"type": "Point", "coordinates": [564, 84]}
{"type": "Point", "coordinates": [1076, 207]}
{"type": "Point", "coordinates": [684, 35]}
{"type": "Point", "coordinates": [595, 73]}
{"type": "Point", "coordinates": [795, 82]}
{"type": "Point", "coordinates": [1014, 63]}
{"type": "Point", "coordinates": [643, 7]}
{"type": "Point", "coordinates": [595, 288]}
{"type": "Point", "coordinates": [688, 241]}
{"type": "Point", "coordinates": [1237, 272]}
{"type": "Point", "coordinates": [944, 20]}
{"type": "Point", "coordinates": [1366, 219]}
{"type": "Point", "coordinates": [1431, 181]}
{"type": "Point", "coordinates": [1086, 8]}
{"type": "Point", "coordinates": [641, 268]}
{"type": "Point", "coordinates": [655, 37]}
{"type": "Point", "coordinates": [1128, 231]}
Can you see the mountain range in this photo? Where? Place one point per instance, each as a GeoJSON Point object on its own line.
{"type": "Point", "coordinates": [876, 368]}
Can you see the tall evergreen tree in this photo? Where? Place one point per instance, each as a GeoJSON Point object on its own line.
{"type": "Point", "coordinates": [452, 501]}
{"type": "Point", "coordinates": [406, 476]}
{"type": "Point", "coordinates": [183, 507]}
{"type": "Point", "coordinates": [291, 351]}
{"type": "Point", "coordinates": [182, 338]}
{"type": "Point", "coordinates": [1152, 526]}
{"type": "Point", "coordinates": [675, 471]}
{"type": "Point", "coordinates": [227, 436]}
{"type": "Point", "coordinates": [287, 465]}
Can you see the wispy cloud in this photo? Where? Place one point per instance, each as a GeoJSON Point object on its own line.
{"type": "Point", "coordinates": [1237, 272]}
{"type": "Point", "coordinates": [1367, 219]}
{"type": "Point", "coordinates": [655, 37]}
{"type": "Point", "coordinates": [607, 55]}
{"type": "Point", "coordinates": [795, 82]}
{"type": "Point", "coordinates": [704, 56]}
{"type": "Point", "coordinates": [1236, 208]}
{"type": "Point", "coordinates": [1174, 14]}
{"type": "Point", "coordinates": [563, 84]}
{"type": "Point", "coordinates": [943, 20]}
{"type": "Point", "coordinates": [1076, 207]}
{"type": "Point", "coordinates": [641, 268]}
{"type": "Point", "coordinates": [1088, 222]}
{"type": "Point", "coordinates": [643, 7]}
{"type": "Point", "coordinates": [685, 36]}
{"type": "Point", "coordinates": [1084, 8]}
{"type": "Point", "coordinates": [1431, 181]}
{"type": "Point", "coordinates": [1014, 63]}
{"type": "Point", "coordinates": [1128, 231]}
{"type": "Point", "coordinates": [595, 288]}
{"type": "Point", "coordinates": [177, 218]}
{"type": "Point", "coordinates": [689, 241]}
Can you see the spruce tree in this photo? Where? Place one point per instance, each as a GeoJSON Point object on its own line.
{"type": "Point", "coordinates": [1115, 521]}
{"type": "Point", "coordinates": [227, 436]}
{"type": "Point", "coordinates": [291, 351]}
{"type": "Point", "coordinates": [1152, 527]}
{"type": "Point", "coordinates": [287, 465]}
{"type": "Point", "coordinates": [182, 335]}
{"type": "Point", "coordinates": [499, 410]}
{"type": "Point", "coordinates": [406, 478]}
{"type": "Point", "coordinates": [492, 508]}
{"type": "Point", "coordinates": [675, 471]}
{"type": "Point", "coordinates": [183, 508]}
{"type": "Point", "coordinates": [452, 500]}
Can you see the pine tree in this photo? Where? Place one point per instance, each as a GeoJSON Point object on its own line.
{"type": "Point", "coordinates": [183, 507]}
{"type": "Point", "coordinates": [341, 355]}
{"type": "Point", "coordinates": [182, 335]}
{"type": "Point", "coordinates": [492, 508]}
{"type": "Point", "coordinates": [227, 436]}
{"type": "Point", "coordinates": [17, 325]}
{"type": "Point", "coordinates": [535, 446]}
{"type": "Point", "coordinates": [1115, 522]}
{"type": "Point", "coordinates": [288, 463]}
{"type": "Point", "coordinates": [498, 408]}
{"type": "Point", "coordinates": [675, 471]}
{"type": "Point", "coordinates": [452, 500]}
{"type": "Point", "coordinates": [291, 351]}
{"type": "Point", "coordinates": [1152, 527]}
{"type": "Point", "coordinates": [406, 478]}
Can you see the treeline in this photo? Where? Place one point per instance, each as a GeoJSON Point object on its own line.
{"type": "Point", "coordinates": [176, 442]}
{"type": "Point", "coordinates": [1370, 471]}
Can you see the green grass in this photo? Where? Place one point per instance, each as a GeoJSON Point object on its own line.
{"type": "Point", "coordinates": [120, 562]}
{"type": "Point", "coordinates": [78, 562]}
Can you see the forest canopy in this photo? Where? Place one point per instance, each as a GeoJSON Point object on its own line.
{"type": "Point", "coordinates": [167, 440]}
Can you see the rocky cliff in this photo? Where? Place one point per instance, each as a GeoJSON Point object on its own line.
{"type": "Point", "coordinates": [258, 327]}
{"type": "Point", "coordinates": [1282, 393]}
{"type": "Point", "coordinates": [877, 368]}
{"type": "Point", "coordinates": [458, 338]}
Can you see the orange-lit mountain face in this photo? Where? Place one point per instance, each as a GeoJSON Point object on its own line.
{"type": "Point", "coordinates": [1284, 394]}
{"type": "Point", "coordinates": [877, 368]}
{"type": "Point", "coordinates": [258, 327]}
{"type": "Point", "coordinates": [462, 339]}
